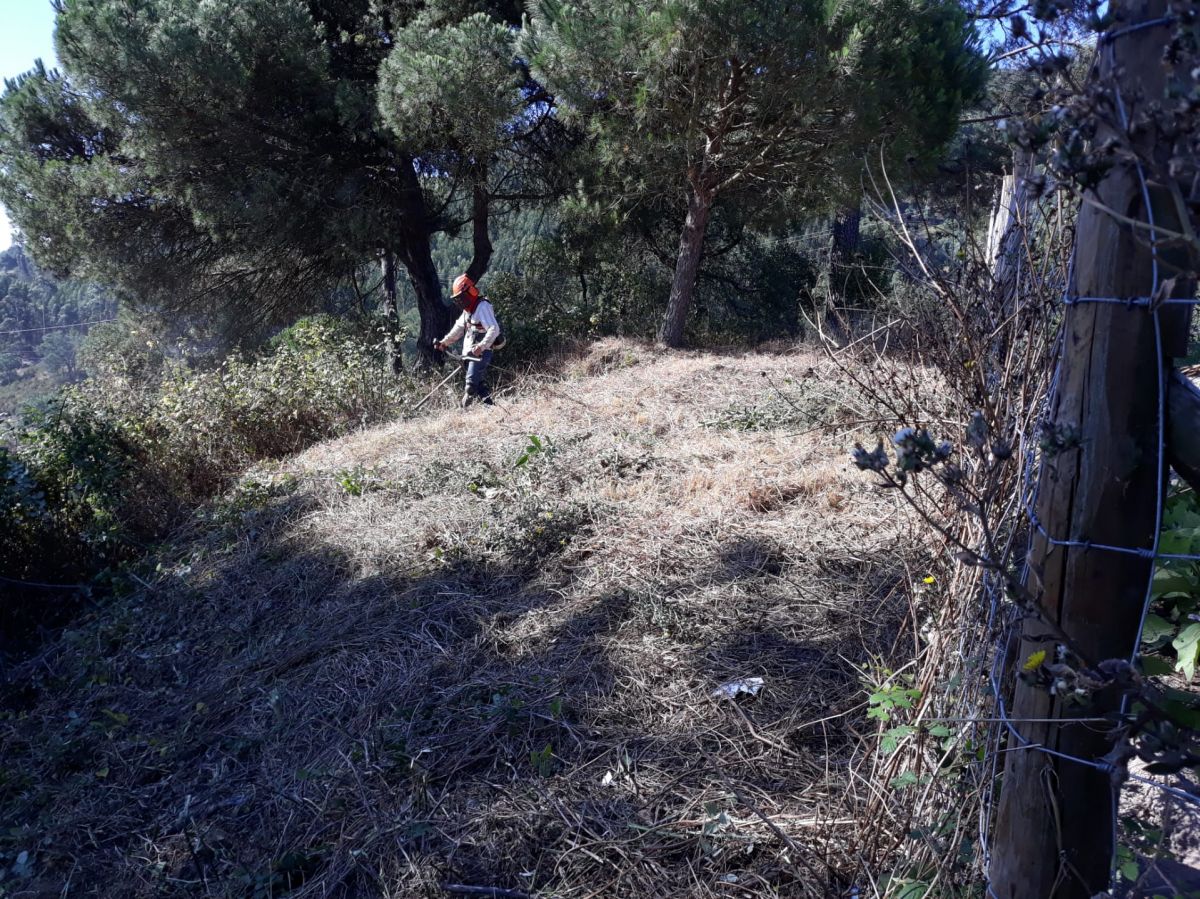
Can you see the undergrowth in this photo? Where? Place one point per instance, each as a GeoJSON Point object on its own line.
{"type": "Point", "coordinates": [116, 461]}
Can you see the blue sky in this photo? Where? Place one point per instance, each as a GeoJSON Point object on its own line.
{"type": "Point", "coordinates": [26, 34]}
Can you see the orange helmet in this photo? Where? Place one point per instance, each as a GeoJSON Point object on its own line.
{"type": "Point", "coordinates": [464, 292]}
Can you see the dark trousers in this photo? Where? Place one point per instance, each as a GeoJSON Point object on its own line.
{"type": "Point", "coordinates": [476, 377]}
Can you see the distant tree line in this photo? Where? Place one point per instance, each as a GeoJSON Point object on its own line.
{"type": "Point", "coordinates": [43, 321]}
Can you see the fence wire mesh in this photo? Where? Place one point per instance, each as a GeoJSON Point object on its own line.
{"type": "Point", "coordinates": [999, 731]}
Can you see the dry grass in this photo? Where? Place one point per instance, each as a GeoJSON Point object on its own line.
{"type": "Point", "coordinates": [401, 661]}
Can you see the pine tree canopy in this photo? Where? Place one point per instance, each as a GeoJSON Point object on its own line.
{"type": "Point", "coordinates": [243, 153]}
{"type": "Point", "coordinates": [772, 106]}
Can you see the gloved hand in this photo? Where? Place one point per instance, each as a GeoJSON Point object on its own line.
{"type": "Point", "coordinates": [477, 352]}
{"type": "Point", "coordinates": [438, 345]}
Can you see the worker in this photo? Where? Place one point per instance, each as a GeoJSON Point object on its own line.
{"type": "Point", "coordinates": [478, 323]}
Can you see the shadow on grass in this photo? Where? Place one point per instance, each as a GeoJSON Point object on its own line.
{"type": "Point", "coordinates": [278, 716]}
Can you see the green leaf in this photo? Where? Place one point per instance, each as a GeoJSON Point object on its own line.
{"type": "Point", "coordinates": [1187, 661]}
{"type": "Point", "coordinates": [1180, 542]}
{"type": "Point", "coordinates": [542, 761]}
{"type": "Point", "coordinates": [1168, 581]}
{"type": "Point", "coordinates": [1185, 714]}
{"type": "Point", "coordinates": [890, 741]}
{"type": "Point", "coordinates": [1184, 697]}
{"type": "Point", "coordinates": [1156, 666]}
{"type": "Point", "coordinates": [1187, 647]}
{"type": "Point", "coordinates": [1157, 628]}
{"type": "Point", "coordinates": [1189, 636]}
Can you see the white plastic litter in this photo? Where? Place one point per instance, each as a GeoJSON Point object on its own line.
{"type": "Point", "coordinates": [748, 685]}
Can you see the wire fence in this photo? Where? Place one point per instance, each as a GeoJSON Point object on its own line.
{"type": "Point", "coordinates": [998, 730]}
{"type": "Point", "coordinates": [100, 321]}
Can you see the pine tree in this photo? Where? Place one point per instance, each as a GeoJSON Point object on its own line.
{"type": "Point", "coordinates": [238, 153]}
{"type": "Point", "coordinates": [766, 106]}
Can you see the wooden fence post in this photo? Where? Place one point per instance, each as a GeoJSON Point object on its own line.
{"type": "Point", "coordinates": [1054, 826]}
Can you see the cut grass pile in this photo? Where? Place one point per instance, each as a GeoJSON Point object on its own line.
{"type": "Point", "coordinates": [479, 650]}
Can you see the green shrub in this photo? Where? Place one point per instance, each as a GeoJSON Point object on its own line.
{"type": "Point", "coordinates": [25, 525]}
{"type": "Point", "coordinates": [37, 544]}
{"type": "Point", "coordinates": [81, 464]}
{"type": "Point", "coordinates": [116, 459]}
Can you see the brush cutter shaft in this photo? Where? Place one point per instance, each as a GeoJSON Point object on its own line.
{"type": "Point", "coordinates": [442, 383]}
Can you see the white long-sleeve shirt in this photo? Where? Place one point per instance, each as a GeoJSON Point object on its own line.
{"type": "Point", "coordinates": [481, 328]}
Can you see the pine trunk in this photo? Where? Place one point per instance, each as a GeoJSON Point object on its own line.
{"type": "Point", "coordinates": [436, 317]}
{"type": "Point", "coordinates": [687, 266]}
{"type": "Point", "coordinates": [481, 240]}
{"type": "Point", "coordinates": [847, 233]}
{"type": "Point", "coordinates": [845, 241]}
{"type": "Point", "coordinates": [391, 313]}
{"type": "Point", "coordinates": [415, 250]}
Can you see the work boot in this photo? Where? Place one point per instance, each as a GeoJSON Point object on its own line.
{"type": "Point", "coordinates": [467, 399]}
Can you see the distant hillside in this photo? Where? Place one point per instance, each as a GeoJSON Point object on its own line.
{"type": "Point", "coordinates": [484, 654]}
{"type": "Point", "coordinates": [43, 322]}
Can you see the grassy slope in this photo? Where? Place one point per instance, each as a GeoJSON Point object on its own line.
{"type": "Point", "coordinates": [400, 660]}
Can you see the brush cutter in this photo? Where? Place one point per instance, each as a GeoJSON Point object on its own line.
{"type": "Point", "coordinates": [442, 383]}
